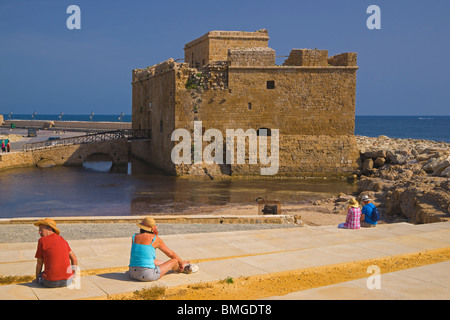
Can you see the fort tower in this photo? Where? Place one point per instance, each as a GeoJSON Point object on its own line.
{"type": "Point", "coordinates": [229, 80]}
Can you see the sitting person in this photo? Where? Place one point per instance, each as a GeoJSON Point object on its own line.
{"type": "Point", "coordinates": [366, 213]}
{"type": "Point", "coordinates": [143, 265]}
{"type": "Point", "coordinates": [353, 216]}
{"type": "Point", "coordinates": [55, 254]}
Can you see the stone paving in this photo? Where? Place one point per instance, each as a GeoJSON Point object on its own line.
{"type": "Point", "coordinates": [246, 253]}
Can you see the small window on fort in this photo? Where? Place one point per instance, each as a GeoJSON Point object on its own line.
{"type": "Point", "coordinates": [249, 106]}
{"type": "Point", "coordinates": [270, 84]}
{"type": "Point", "coordinates": [160, 126]}
{"type": "Point", "coordinates": [264, 132]}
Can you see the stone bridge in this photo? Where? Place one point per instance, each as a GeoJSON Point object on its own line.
{"type": "Point", "coordinates": [74, 151]}
{"type": "Point", "coordinates": [72, 155]}
{"type": "Point", "coordinates": [76, 155]}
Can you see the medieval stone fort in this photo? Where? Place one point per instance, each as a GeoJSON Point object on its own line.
{"type": "Point", "coordinates": [229, 80]}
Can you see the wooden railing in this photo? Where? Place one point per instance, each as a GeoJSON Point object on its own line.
{"type": "Point", "coordinates": [130, 134]}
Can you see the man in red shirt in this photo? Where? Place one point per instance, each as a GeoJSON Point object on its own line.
{"type": "Point", "coordinates": [54, 252]}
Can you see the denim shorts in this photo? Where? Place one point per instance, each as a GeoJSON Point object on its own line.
{"type": "Point", "coordinates": [54, 284]}
{"type": "Point", "coordinates": [144, 274]}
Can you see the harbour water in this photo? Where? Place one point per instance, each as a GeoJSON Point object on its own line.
{"type": "Point", "coordinates": [93, 190]}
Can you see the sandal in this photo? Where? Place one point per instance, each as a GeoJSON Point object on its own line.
{"type": "Point", "coordinates": [190, 268]}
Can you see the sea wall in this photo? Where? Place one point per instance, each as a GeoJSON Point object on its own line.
{"type": "Point", "coordinates": [86, 125]}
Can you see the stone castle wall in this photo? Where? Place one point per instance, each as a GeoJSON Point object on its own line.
{"type": "Point", "coordinates": [322, 121]}
{"type": "Point", "coordinates": [245, 57]}
{"type": "Point", "coordinates": [153, 105]}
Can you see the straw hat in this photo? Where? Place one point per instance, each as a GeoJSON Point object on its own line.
{"type": "Point", "coordinates": [148, 224]}
{"type": "Point", "coordinates": [48, 222]}
{"type": "Point", "coordinates": [353, 203]}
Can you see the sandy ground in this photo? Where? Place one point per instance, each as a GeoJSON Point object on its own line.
{"type": "Point", "coordinates": [322, 212]}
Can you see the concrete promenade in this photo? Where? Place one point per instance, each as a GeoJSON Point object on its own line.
{"type": "Point", "coordinates": [248, 253]}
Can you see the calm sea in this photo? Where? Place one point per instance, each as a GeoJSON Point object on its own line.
{"type": "Point", "coordinates": [435, 128]}
{"type": "Point", "coordinates": [414, 127]}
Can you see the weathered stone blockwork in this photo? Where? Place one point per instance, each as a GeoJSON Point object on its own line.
{"type": "Point", "coordinates": [246, 57]}
{"type": "Point", "coordinates": [237, 85]}
{"type": "Point", "coordinates": [214, 45]}
{"type": "Point", "coordinates": [307, 58]}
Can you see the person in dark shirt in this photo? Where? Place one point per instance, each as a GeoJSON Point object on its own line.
{"type": "Point", "coordinates": [366, 213]}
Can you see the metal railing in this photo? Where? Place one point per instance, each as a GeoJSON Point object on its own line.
{"type": "Point", "coordinates": [130, 134]}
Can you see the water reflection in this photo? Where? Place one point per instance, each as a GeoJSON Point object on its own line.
{"type": "Point", "coordinates": [105, 190]}
{"type": "Point", "coordinates": [98, 162]}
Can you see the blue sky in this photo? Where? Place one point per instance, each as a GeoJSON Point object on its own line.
{"type": "Point", "coordinates": [47, 68]}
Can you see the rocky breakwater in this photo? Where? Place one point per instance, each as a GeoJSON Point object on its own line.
{"type": "Point", "coordinates": [406, 177]}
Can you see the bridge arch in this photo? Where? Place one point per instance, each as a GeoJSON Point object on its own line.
{"type": "Point", "coordinates": [98, 161]}
{"type": "Point", "coordinates": [115, 151]}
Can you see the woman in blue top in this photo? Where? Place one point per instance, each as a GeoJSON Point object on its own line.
{"type": "Point", "coordinates": [143, 265]}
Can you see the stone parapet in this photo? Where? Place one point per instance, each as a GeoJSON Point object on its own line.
{"type": "Point", "coordinates": [259, 56]}
{"type": "Point", "coordinates": [307, 57]}
{"type": "Point", "coordinates": [343, 59]}
{"type": "Point", "coordinates": [262, 35]}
